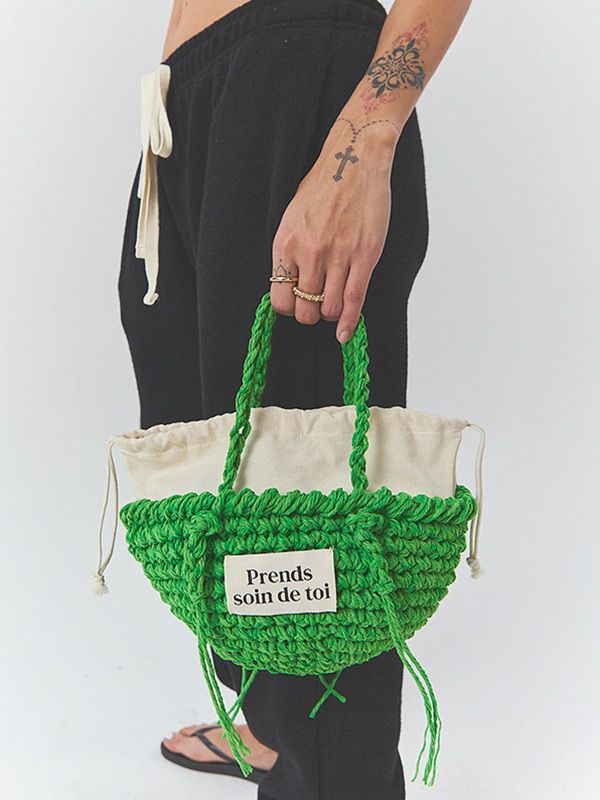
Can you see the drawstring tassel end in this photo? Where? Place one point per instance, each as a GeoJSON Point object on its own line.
{"type": "Point", "coordinates": [150, 297]}
{"type": "Point", "coordinates": [475, 564]}
{"type": "Point", "coordinates": [99, 587]}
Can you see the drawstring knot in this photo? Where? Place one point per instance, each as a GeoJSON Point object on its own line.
{"type": "Point", "coordinates": [476, 570]}
{"type": "Point", "coordinates": [100, 586]}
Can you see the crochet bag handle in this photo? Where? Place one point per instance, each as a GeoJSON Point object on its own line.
{"type": "Point", "coordinates": [249, 396]}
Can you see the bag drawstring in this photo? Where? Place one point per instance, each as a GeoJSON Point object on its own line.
{"type": "Point", "coordinates": [433, 727]}
{"type": "Point", "coordinates": [195, 564]}
{"type": "Point", "coordinates": [248, 677]}
{"type": "Point", "coordinates": [100, 586]}
{"type": "Point", "coordinates": [238, 747]}
{"type": "Point", "coordinates": [472, 559]}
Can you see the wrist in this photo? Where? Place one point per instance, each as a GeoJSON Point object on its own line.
{"type": "Point", "coordinates": [382, 134]}
{"type": "Point", "coordinates": [368, 143]}
{"type": "Point", "coordinates": [378, 134]}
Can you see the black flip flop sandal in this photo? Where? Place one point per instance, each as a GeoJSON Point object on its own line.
{"type": "Point", "coordinates": [228, 766]}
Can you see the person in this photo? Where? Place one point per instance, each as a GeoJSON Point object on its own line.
{"type": "Point", "coordinates": [282, 144]}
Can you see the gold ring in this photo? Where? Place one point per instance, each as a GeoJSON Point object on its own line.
{"type": "Point", "coordinates": [282, 279]}
{"type": "Point", "coordinates": [314, 298]}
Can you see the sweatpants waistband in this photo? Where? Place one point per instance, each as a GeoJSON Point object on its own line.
{"type": "Point", "coordinates": [203, 48]}
{"type": "Point", "coordinates": [198, 53]}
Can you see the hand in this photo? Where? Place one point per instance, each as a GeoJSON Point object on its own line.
{"type": "Point", "coordinates": [332, 234]}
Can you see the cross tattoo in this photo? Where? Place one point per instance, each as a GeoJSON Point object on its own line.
{"type": "Point", "coordinates": [345, 158]}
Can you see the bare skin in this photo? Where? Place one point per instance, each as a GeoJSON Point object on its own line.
{"type": "Point", "coordinates": [189, 17]}
{"type": "Point", "coordinates": [332, 234]}
{"type": "Point", "coordinates": [183, 742]}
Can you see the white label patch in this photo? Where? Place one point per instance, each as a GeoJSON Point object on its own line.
{"type": "Point", "coordinates": [296, 582]}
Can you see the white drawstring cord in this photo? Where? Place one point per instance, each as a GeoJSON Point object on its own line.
{"type": "Point", "coordinates": [473, 560]}
{"type": "Point", "coordinates": [100, 586]}
{"type": "Point", "coordinates": [157, 140]}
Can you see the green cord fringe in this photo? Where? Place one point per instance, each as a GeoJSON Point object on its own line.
{"type": "Point", "coordinates": [434, 724]}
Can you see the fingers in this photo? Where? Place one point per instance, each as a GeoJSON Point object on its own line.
{"type": "Point", "coordinates": [306, 263]}
{"type": "Point", "coordinates": [308, 312]}
{"type": "Point", "coordinates": [318, 271]}
{"type": "Point", "coordinates": [312, 257]}
{"type": "Point", "coordinates": [283, 299]}
{"type": "Point", "coordinates": [335, 280]}
{"type": "Point", "coordinates": [354, 295]}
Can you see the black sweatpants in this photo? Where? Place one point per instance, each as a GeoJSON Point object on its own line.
{"type": "Point", "coordinates": [250, 103]}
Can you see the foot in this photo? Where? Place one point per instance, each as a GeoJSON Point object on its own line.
{"type": "Point", "coordinates": [183, 742]}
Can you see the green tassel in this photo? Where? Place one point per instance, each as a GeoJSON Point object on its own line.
{"type": "Point", "coordinates": [238, 748]}
{"type": "Point", "coordinates": [247, 681]}
{"type": "Point", "coordinates": [195, 558]}
{"type": "Point", "coordinates": [434, 723]}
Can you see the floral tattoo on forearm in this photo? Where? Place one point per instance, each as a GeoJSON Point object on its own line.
{"type": "Point", "coordinates": [398, 68]}
{"type": "Point", "coordinates": [401, 67]}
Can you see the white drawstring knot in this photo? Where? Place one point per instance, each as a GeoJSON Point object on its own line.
{"type": "Point", "coordinates": [476, 569]}
{"type": "Point", "coordinates": [99, 586]}
{"type": "Point", "coordinates": [157, 141]}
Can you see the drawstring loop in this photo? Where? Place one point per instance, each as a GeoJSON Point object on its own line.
{"type": "Point", "coordinates": [157, 141]}
{"type": "Point", "coordinates": [472, 559]}
{"type": "Point", "coordinates": [100, 586]}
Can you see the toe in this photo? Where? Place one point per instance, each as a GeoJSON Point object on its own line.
{"type": "Point", "coordinates": [192, 729]}
{"type": "Point", "coordinates": [176, 740]}
{"type": "Point", "coordinates": [184, 732]}
{"type": "Point", "coordinates": [170, 744]}
{"type": "Point", "coordinates": [190, 746]}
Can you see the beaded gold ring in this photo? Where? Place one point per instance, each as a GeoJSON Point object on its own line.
{"type": "Point", "coordinates": [314, 298]}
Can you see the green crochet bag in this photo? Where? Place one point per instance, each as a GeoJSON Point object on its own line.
{"type": "Point", "coordinates": [395, 556]}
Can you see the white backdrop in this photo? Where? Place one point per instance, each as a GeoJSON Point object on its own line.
{"type": "Point", "coordinates": [502, 332]}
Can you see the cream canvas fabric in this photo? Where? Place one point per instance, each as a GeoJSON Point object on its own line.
{"type": "Point", "coordinates": [409, 451]}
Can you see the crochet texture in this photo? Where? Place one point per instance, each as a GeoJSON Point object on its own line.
{"type": "Point", "coordinates": [395, 556]}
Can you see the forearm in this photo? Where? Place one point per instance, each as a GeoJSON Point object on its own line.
{"type": "Point", "coordinates": [412, 43]}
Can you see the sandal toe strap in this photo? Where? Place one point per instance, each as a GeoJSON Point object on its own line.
{"type": "Point", "coordinates": [201, 735]}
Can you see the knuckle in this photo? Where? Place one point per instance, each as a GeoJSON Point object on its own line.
{"type": "Point", "coordinates": [370, 246]}
{"type": "Point", "coordinates": [306, 316]}
{"type": "Point", "coordinates": [348, 322]}
{"type": "Point", "coordinates": [282, 306]}
{"type": "Point", "coordinates": [341, 247]}
{"type": "Point", "coordinates": [284, 242]}
{"type": "Point", "coordinates": [353, 295]}
{"type": "Point", "coordinates": [331, 310]}
{"type": "Point", "coordinates": [314, 249]}
{"type": "Point", "coordinates": [337, 264]}
{"type": "Point", "coordinates": [311, 280]}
